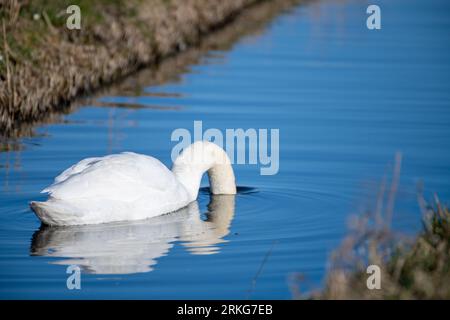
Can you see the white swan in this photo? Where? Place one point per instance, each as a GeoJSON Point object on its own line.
{"type": "Point", "coordinates": [130, 186]}
{"type": "Point", "coordinates": [129, 247]}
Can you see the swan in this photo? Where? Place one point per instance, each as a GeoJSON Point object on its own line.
{"type": "Point", "coordinates": [130, 186]}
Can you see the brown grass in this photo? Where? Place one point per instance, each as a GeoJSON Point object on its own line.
{"type": "Point", "coordinates": [410, 268]}
{"type": "Point", "coordinates": [45, 65]}
{"type": "Point", "coordinates": [251, 21]}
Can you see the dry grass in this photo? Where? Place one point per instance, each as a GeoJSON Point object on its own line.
{"type": "Point", "coordinates": [44, 65]}
{"type": "Point", "coordinates": [418, 269]}
{"type": "Point", "coordinates": [250, 22]}
{"type": "Point", "coordinates": [410, 268]}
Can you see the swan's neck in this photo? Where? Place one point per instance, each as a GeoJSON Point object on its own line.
{"type": "Point", "coordinates": [201, 157]}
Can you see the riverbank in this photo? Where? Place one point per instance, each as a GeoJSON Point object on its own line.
{"type": "Point", "coordinates": [376, 262]}
{"type": "Point", "coordinates": [401, 269]}
{"type": "Point", "coordinates": [44, 65]}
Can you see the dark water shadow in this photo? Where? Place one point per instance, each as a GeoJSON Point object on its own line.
{"type": "Point", "coordinates": [239, 190]}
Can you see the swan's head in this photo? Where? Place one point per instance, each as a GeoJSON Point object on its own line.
{"type": "Point", "coordinates": [201, 157]}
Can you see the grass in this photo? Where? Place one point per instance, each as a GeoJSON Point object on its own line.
{"type": "Point", "coordinates": [44, 65]}
{"type": "Point", "coordinates": [417, 268]}
{"type": "Point", "coordinates": [249, 22]}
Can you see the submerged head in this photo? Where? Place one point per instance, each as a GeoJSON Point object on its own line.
{"type": "Point", "coordinates": [201, 157]}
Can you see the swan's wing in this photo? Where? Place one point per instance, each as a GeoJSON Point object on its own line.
{"type": "Point", "coordinates": [126, 177]}
{"type": "Point", "coordinates": [76, 168]}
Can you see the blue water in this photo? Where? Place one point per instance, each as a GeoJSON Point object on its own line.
{"type": "Point", "coordinates": [345, 100]}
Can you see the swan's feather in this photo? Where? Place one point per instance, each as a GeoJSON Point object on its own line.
{"type": "Point", "coordinates": [76, 168]}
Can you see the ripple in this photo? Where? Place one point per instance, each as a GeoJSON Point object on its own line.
{"type": "Point", "coordinates": [239, 190]}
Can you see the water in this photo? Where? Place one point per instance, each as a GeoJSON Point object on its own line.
{"type": "Point", "coordinates": [345, 99]}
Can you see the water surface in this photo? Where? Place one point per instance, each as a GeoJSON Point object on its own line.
{"type": "Point", "coordinates": [345, 100]}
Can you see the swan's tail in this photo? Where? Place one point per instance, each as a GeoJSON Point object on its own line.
{"type": "Point", "coordinates": [54, 213]}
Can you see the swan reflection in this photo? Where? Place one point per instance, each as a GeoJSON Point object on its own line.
{"type": "Point", "coordinates": [133, 247]}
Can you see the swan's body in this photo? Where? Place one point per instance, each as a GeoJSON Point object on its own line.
{"type": "Point", "coordinates": [130, 186]}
